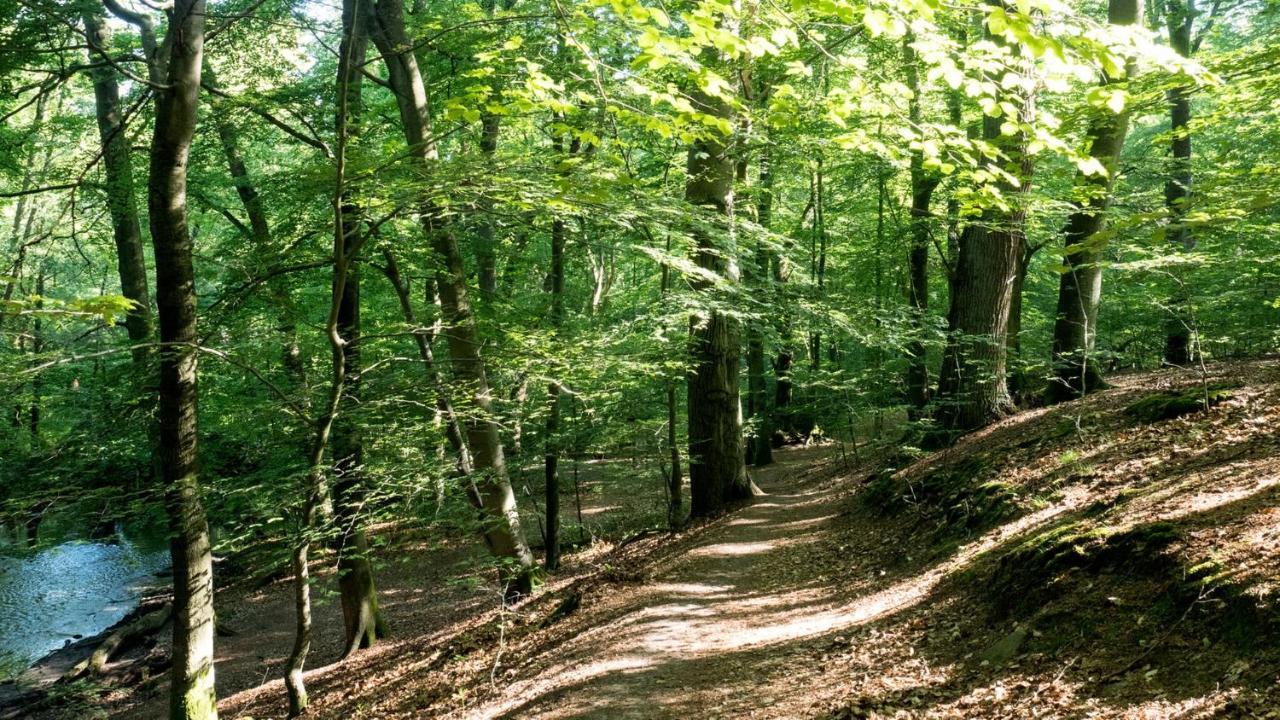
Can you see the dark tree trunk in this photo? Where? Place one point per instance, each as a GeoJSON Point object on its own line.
{"type": "Point", "coordinates": [1017, 376]}
{"type": "Point", "coordinates": [121, 205]}
{"type": "Point", "coordinates": [1180, 17]}
{"type": "Point", "coordinates": [362, 621]}
{"type": "Point", "coordinates": [923, 183]}
{"type": "Point", "coordinates": [972, 385]}
{"type": "Point", "coordinates": [1080, 287]}
{"type": "Point", "coordinates": [502, 530]}
{"type": "Point", "coordinates": [717, 473]}
{"type": "Point", "coordinates": [552, 461]}
{"type": "Point", "coordinates": [192, 695]}
{"type": "Point", "coordinates": [760, 445]}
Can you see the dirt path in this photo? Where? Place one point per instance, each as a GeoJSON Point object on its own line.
{"type": "Point", "coordinates": [727, 614]}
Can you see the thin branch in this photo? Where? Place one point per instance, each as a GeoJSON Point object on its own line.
{"type": "Point", "coordinates": [282, 125]}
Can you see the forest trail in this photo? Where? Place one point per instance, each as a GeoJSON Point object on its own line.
{"type": "Point", "coordinates": [1066, 562]}
{"type": "Point", "coordinates": [708, 632]}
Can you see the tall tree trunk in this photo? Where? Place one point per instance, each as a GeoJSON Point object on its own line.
{"type": "Point", "coordinates": [1017, 376]}
{"type": "Point", "coordinates": [363, 623]}
{"type": "Point", "coordinates": [675, 479]}
{"type": "Point", "coordinates": [972, 386]}
{"type": "Point", "coordinates": [260, 236]}
{"type": "Point", "coordinates": [490, 130]}
{"type": "Point", "coordinates": [192, 695]}
{"type": "Point", "coordinates": [1180, 17]}
{"type": "Point", "coordinates": [1080, 287]}
{"type": "Point", "coordinates": [818, 258]}
{"type": "Point", "coordinates": [717, 473]}
{"type": "Point", "coordinates": [923, 183]}
{"type": "Point", "coordinates": [37, 347]}
{"type": "Point", "coordinates": [760, 448]}
{"type": "Point", "coordinates": [552, 459]}
{"type": "Point", "coordinates": [121, 205]}
{"type": "Point", "coordinates": [502, 531]}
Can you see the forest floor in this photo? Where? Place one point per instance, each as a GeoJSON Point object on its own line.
{"type": "Point", "coordinates": [1099, 559]}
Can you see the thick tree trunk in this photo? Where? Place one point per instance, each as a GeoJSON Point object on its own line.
{"type": "Point", "coordinates": [121, 205]}
{"type": "Point", "coordinates": [192, 694]}
{"type": "Point", "coordinates": [1080, 287]}
{"type": "Point", "coordinates": [1180, 16]}
{"type": "Point", "coordinates": [717, 472]}
{"type": "Point", "coordinates": [972, 385]}
{"type": "Point", "coordinates": [502, 530]}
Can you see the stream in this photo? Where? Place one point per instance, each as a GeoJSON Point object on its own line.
{"type": "Point", "coordinates": [62, 593]}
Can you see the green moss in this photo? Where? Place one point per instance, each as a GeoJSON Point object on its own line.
{"type": "Point", "coordinates": [1170, 404]}
{"type": "Point", "coordinates": [1025, 573]}
{"type": "Point", "coordinates": [960, 496]}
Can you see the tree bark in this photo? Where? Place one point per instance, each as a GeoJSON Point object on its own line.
{"type": "Point", "coordinates": [192, 695]}
{"type": "Point", "coordinates": [1180, 17]}
{"type": "Point", "coordinates": [760, 444]}
{"type": "Point", "coordinates": [502, 530]}
{"type": "Point", "coordinates": [717, 472]}
{"type": "Point", "coordinates": [552, 440]}
{"type": "Point", "coordinates": [121, 204]}
{"type": "Point", "coordinates": [972, 385]}
{"type": "Point", "coordinates": [923, 184]}
{"type": "Point", "coordinates": [1080, 286]}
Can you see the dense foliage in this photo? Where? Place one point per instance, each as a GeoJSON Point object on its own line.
{"type": "Point", "coordinates": [795, 182]}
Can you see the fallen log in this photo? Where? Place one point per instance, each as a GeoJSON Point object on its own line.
{"type": "Point", "coordinates": [143, 625]}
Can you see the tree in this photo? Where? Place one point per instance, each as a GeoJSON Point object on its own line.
{"type": "Point", "coordinates": [1076, 371]}
{"type": "Point", "coordinates": [191, 681]}
{"type": "Point", "coordinates": [502, 529]}
{"type": "Point", "coordinates": [717, 474]}
{"type": "Point", "coordinates": [972, 389]}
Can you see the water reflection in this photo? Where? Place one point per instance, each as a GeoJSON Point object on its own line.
{"type": "Point", "coordinates": [69, 591]}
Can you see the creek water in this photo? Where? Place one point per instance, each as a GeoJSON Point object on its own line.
{"type": "Point", "coordinates": [61, 593]}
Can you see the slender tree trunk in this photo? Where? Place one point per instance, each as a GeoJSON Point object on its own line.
{"type": "Point", "coordinates": [424, 338]}
{"type": "Point", "coordinates": [552, 440]}
{"type": "Point", "coordinates": [486, 238]}
{"type": "Point", "coordinates": [675, 479]}
{"type": "Point", "coordinates": [819, 258]}
{"type": "Point", "coordinates": [760, 445]}
{"type": "Point", "coordinates": [923, 184]}
{"type": "Point", "coordinates": [1180, 17]}
{"type": "Point", "coordinates": [362, 621]}
{"type": "Point", "coordinates": [502, 531]}
{"type": "Point", "coordinates": [346, 239]}
{"type": "Point", "coordinates": [717, 473]}
{"type": "Point", "coordinates": [37, 347]}
{"type": "Point", "coordinates": [260, 236]}
{"type": "Point", "coordinates": [1080, 287]}
{"type": "Point", "coordinates": [121, 205]}
{"type": "Point", "coordinates": [192, 695]}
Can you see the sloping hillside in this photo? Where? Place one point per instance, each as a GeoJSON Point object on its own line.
{"type": "Point", "coordinates": [1116, 557]}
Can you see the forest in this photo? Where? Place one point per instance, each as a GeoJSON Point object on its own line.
{"type": "Point", "coordinates": [639, 359]}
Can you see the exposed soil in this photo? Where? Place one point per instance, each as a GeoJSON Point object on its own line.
{"type": "Point", "coordinates": [1073, 562]}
